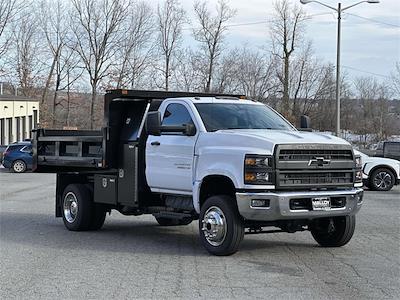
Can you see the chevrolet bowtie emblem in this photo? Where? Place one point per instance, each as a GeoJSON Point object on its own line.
{"type": "Point", "coordinates": [319, 161]}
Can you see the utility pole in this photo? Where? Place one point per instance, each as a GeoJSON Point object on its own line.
{"type": "Point", "coordinates": [339, 11]}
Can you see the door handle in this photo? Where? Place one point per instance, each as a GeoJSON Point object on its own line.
{"type": "Point", "coordinates": [156, 143]}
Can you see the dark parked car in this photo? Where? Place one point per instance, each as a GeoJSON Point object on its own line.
{"type": "Point", "coordinates": [18, 157]}
{"type": "Point", "coordinates": [2, 149]}
{"type": "Point", "coordinates": [391, 150]}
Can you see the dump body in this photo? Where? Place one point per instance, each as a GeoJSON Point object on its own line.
{"type": "Point", "coordinates": [65, 150]}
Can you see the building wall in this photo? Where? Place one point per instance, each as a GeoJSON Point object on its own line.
{"type": "Point", "coordinates": [17, 119]}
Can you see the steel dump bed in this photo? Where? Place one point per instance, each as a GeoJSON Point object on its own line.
{"type": "Point", "coordinates": [80, 149]}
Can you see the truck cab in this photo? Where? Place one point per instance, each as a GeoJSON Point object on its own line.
{"type": "Point", "coordinates": [236, 165]}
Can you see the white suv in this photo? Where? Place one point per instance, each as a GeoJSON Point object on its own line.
{"type": "Point", "coordinates": [379, 174]}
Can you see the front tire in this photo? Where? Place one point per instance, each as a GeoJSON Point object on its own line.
{"type": "Point", "coordinates": [333, 232]}
{"type": "Point", "coordinates": [382, 179]}
{"type": "Point", "coordinates": [220, 225]}
{"type": "Point", "coordinates": [19, 166]}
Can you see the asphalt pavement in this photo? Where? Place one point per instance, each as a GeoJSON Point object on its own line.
{"type": "Point", "coordinates": [133, 257]}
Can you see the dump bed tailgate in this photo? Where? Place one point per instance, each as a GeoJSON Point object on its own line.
{"type": "Point", "coordinates": [58, 150]}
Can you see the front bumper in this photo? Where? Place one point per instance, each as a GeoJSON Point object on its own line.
{"type": "Point", "coordinates": [279, 204]}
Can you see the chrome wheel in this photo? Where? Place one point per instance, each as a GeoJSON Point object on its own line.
{"type": "Point", "coordinates": [70, 207]}
{"type": "Point", "coordinates": [19, 166]}
{"type": "Point", "coordinates": [214, 226]}
{"type": "Point", "coordinates": [383, 180]}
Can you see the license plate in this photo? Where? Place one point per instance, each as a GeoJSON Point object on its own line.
{"type": "Point", "coordinates": [321, 203]}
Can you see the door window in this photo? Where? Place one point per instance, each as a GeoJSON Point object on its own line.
{"type": "Point", "coordinates": [176, 115]}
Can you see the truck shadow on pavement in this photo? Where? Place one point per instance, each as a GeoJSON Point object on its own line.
{"type": "Point", "coordinates": [117, 236]}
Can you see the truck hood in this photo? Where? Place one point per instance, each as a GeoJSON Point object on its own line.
{"type": "Point", "coordinates": [258, 141]}
{"type": "Point", "coordinates": [286, 137]}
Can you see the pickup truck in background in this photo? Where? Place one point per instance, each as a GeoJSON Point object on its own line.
{"type": "Point", "coordinates": [391, 150]}
{"type": "Point", "coordinates": [235, 165]}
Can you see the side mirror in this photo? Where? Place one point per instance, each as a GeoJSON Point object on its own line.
{"type": "Point", "coordinates": [305, 123]}
{"type": "Point", "coordinates": [190, 130]}
{"type": "Point", "coordinates": [153, 123]}
{"type": "Point", "coordinates": [153, 126]}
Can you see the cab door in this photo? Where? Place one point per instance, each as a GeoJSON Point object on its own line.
{"type": "Point", "coordinates": [169, 157]}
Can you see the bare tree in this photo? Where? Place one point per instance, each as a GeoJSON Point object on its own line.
{"type": "Point", "coordinates": [255, 75]}
{"type": "Point", "coordinates": [310, 81]}
{"type": "Point", "coordinates": [8, 10]}
{"type": "Point", "coordinates": [63, 70]}
{"type": "Point", "coordinates": [187, 73]}
{"type": "Point", "coordinates": [67, 73]}
{"type": "Point", "coordinates": [225, 80]}
{"type": "Point", "coordinates": [367, 89]}
{"type": "Point", "coordinates": [395, 80]}
{"type": "Point", "coordinates": [135, 49]}
{"type": "Point", "coordinates": [170, 19]}
{"type": "Point", "coordinates": [54, 29]}
{"type": "Point", "coordinates": [27, 60]}
{"type": "Point", "coordinates": [287, 27]}
{"type": "Point", "coordinates": [375, 117]}
{"type": "Point", "coordinates": [96, 37]}
{"type": "Point", "coordinates": [211, 33]}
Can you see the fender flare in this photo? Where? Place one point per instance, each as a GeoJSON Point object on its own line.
{"type": "Point", "coordinates": [197, 187]}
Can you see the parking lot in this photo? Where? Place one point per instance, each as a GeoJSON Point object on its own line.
{"type": "Point", "coordinates": [133, 257]}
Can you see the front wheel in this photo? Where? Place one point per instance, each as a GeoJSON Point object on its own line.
{"type": "Point", "coordinates": [382, 179]}
{"type": "Point", "coordinates": [333, 232]}
{"type": "Point", "coordinates": [220, 225]}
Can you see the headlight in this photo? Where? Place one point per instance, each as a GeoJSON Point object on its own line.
{"type": "Point", "coordinates": [258, 169]}
{"type": "Point", "coordinates": [257, 161]}
{"type": "Point", "coordinates": [358, 162]}
{"type": "Point", "coordinates": [358, 174]}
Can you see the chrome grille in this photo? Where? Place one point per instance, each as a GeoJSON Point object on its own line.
{"type": "Point", "coordinates": [314, 179]}
{"type": "Point", "coordinates": [307, 154]}
{"type": "Point", "coordinates": [310, 166]}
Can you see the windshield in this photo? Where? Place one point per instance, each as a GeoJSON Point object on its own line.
{"type": "Point", "coordinates": [218, 116]}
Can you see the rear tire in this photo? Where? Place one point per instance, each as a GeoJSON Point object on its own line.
{"type": "Point", "coordinates": [19, 166]}
{"type": "Point", "coordinates": [98, 217]}
{"type": "Point", "coordinates": [333, 232]}
{"type": "Point", "coordinates": [77, 207]}
{"type": "Point", "coordinates": [99, 212]}
{"type": "Point", "coordinates": [382, 179]}
{"type": "Point", "coordinates": [220, 225]}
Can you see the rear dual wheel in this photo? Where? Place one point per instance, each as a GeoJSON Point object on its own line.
{"type": "Point", "coordinates": [79, 212]}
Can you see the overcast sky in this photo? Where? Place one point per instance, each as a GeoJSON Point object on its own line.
{"type": "Point", "coordinates": [367, 45]}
